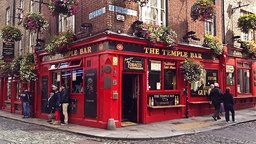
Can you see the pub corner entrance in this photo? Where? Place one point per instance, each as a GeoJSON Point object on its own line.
{"type": "Point", "coordinates": [130, 99]}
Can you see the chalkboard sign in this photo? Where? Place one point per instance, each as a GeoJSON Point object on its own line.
{"type": "Point", "coordinates": [90, 108]}
{"type": "Point", "coordinates": [133, 63]}
{"type": "Point", "coordinates": [163, 99]}
{"type": "Point", "coordinates": [8, 49]}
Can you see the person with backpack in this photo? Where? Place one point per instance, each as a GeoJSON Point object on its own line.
{"type": "Point", "coordinates": [50, 107]}
{"type": "Point", "coordinates": [229, 105]}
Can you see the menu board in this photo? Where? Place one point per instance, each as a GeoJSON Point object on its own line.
{"type": "Point", "coordinates": [8, 49]}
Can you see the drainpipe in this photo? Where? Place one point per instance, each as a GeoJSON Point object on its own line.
{"type": "Point", "coordinates": [223, 22]}
{"type": "Point", "coordinates": [13, 12]}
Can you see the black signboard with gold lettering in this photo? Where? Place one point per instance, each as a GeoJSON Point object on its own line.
{"type": "Point", "coordinates": [8, 49]}
{"type": "Point", "coordinates": [164, 99]}
{"type": "Point", "coordinates": [133, 63]}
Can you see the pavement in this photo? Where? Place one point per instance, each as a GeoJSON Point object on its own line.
{"type": "Point", "coordinates": [157, 130]}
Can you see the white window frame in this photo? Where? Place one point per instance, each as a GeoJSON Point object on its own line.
{"type": "Point", "coordinates": [251, 34]}
{"type": "Point", "coordinates": [32, 41]}
{"type": "Point", "coordinates": [161, 12]}
{"type": "Point", "coordinates": [209, 27]}
{"type": "Point", "coordinates": [66, 23]}
{"type": "Point", "coordinates": [8, 16]}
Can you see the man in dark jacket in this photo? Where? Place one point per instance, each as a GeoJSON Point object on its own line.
{"type": "Point", "coordinates": [229, 105]}
{"type": "Point", "coordinates": [64, 102]}
{"type": "Point", "coordinates": [216, 98]}
{"type": "Point", "coordinates": [26, 100]}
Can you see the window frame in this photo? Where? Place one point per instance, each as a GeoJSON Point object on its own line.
{"type": "Point", "coordinates": [8, 16]}
{"type": "Point", "coordinates": [66, 23]}
{"type": "Point", "coordinates": [243, 68]}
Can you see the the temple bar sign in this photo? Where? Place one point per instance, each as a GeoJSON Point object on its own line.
{"type": "Point", "coordinates": [174, 53]}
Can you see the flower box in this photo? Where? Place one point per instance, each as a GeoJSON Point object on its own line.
{"type": "Point", "coordinates": [66, 7]}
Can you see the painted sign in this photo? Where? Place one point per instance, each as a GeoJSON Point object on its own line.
{"type": "Point", "coordinates": [133, 63]}
{"type": "Point", "coordinates": [8, 49]}
{"type": "Point", "coordinates": [122, 10]}
{"type": "Point", "coordinates": [164, 99]}
{"type": "Point", "coordinates": [97, 13]}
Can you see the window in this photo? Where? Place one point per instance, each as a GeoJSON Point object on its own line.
{"type": "Point", "coordinates": [168, 73]}
{"type": "Point", "coordinates": [20, 47]}
{"type": "Point", "coordinates": [66, 79]}
{"type": "Point", "coordinates": [66, 23]}
{"type": "Point", "coordinates": [243, 79]}
{"type": "Point", "coordinates": [230, 75]}
{"type": "Point", "coordinates": [201, 87]}
{"type": "Point", "coordinates": [251, 34]}
{"type": "Point", "coordinates": [169, 76]}
{"type": "Point", "coordinates": [154, 12]}
{"type": "Point", "coordinates": [77, 81]}
{"type": "Point", "coordinates": [8, 16]}
{"type": "Point", "coordinates": [9, 88]}
{"type": "Point", "coordinates": [33, 7]}
{"type": "Point", "coordinates": [32, 41]}
{"type": "Point", "coordinates": [56, 78]}
{"type": "Point", "coordinates": [154, 75]}
{"type": "Point", "coordinates": [209, 27]}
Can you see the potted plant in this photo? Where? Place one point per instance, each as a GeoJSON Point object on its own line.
{"type": "Point", "coordinates": [5, 68]}
{"type": "Point", "coordinates": [10, 33]}
{"type": "Point", "coordinates": [141, 2]}
{"type": "Point", "coordinates": [202, 10]}
{"type": "Point", "coordinates": [249, 47]}
{"type": "Point", "coordinates": [65, 7]}
{"type": "Point", "coordinates": [59, 42]}
{"type": "Point", "coordinates": [160, 34]}
{"type": "Point", "coordinates": [213, 43]}
{"type": "Point", "coordinates": [247, 22]}
{"type": "Point", "coordinates": [192, 70]}
{"type": "Point", "coordinates": [34, 22]}
{"type": "Point", "coordinates": [15, 65]}
{"type": "Point", "coordinates": [27, 68]}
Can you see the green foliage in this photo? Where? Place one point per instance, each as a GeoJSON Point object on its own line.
{"type": "Point", "coordinates": [160, 34]}
{"type": "Point", "coordinates": [249, 47]}
{"type": "Point", "coordinates": [192, 70]}
{"type": "Point", "coordinates": [34, 22]}
{"type": "Point", "coordinates": [213, 43]}
{"type": "Point", "coordinates": [27, 68]}
{"type": "Point", "coordinates": [59, 42]}
{"type": "Point", "coordinates": [247, 22]}
{"type": "Point", "coordinates": [10, 33]}
{"type": "Point", "coordinates": [202, 10]}
{"type": "Point", "coordinates": [15, 65]}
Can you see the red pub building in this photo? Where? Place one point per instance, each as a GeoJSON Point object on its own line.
{"type": "Point", "coordinates": [112, 75]}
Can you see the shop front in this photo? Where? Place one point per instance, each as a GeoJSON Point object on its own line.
{"type": "Point", "coordinates": [125, 79]}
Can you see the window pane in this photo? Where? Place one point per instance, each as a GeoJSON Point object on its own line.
{"type": "Point", "coordinates": [247, 81]}
{"type": "Point", "coordinates": [169, 76]}
{"type": "Point", "coordinates": [66, 78]}
{"type": "Point", "coordinates": [154, 75]}
{"type": "Point", "coordinates": [240, 85]}
{"type": "Point", "coordinates": [77, 81]}
{"type": "Point", "coordinates": [56, 78]}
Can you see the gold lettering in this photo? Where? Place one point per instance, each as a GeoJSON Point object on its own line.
{"type": "Point", "coordinates": [89, 50]}
{"type": "Point", "coordinates": [164, 51]}
{"type": "Point", "coordinates": [75, 52]}
{"type": "Point", "coordinates": [146, 50]}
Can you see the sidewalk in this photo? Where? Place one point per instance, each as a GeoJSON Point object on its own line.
{"type": "Point", "coordinates": [147, 131]}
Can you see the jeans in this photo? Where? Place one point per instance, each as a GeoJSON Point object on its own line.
{"type": "Point", "coordinates": [26, 109]}
{"type": "Point", "coordinates": [227, 110]}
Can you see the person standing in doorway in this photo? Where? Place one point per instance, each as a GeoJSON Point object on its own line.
{"type": "Point", "coordinates": [57, 105]}
{"type": "Point", "coordinates": [229, 105]}
{"type": "Point", "coordinates": [216, 98]}
{"type": "Point", "coordinates": [64, 102]}
{"type": "Point", "coordinates": [25, 97]}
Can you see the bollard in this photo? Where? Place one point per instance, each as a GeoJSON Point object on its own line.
{"type": "Point", "coordinates": [111, 124]}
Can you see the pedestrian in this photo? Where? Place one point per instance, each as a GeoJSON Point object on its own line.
{"type": "Point", "coordinates": [216, 98]}
{"type": "Point", "coordinates": [209, 91]}
{"type": "Point", "coordinates": [229, 104]}
{"type": "Point", "coordinates": [57, 105]}
{"type": "Point", "coordinates": [50, 107]}
{"type": "Point", "coordinates": [64, 102]}
{"type": "Point", "coordinates": [26, 100]}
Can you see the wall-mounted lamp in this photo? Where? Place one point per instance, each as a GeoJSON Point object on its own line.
{"type": "Point", "coordinates": [190, 35]}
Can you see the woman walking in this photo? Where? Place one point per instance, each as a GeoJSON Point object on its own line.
{"type": "Point", "coordinates": [229, 105]}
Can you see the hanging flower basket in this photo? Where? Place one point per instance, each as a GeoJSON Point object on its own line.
{"type": "Point", "coordinates": [10, 33]}
{"type": "Point", "coordinates": [5, 69]}
{"type": "Point", "coordinates": [213, 43]}
{"type": "Point", "coordinates": [249, 47]}
{"type": "Point", "coordinates": [160, 34]}
{"type": "Point", "coordinates": [202, 10]}
{"type": "Point", "coordinates": [34, 22]}
{"type": "Point", "coordinates": [15, 66]}
{"type": "Point", "coordinates": [65, 7]}
{"type": "Point", "coordinates": [141, 2]}
{"type": "Point", "coordinates": [27, 68]}
{"type": "Point", "coordinates": [192, 70]}
{"type": "Point", "coordinates": [60, 42]}
{"type": "Point", "coordinates": [247, 22]}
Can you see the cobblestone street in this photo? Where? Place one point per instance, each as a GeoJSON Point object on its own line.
{"type": "Point", "coordinates": [12, 131]}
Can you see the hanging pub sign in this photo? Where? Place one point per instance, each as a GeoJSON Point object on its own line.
{"type": "Point", "coordinates": [8, 49]}
{"type": "Point", "coordinates": [133, 63]}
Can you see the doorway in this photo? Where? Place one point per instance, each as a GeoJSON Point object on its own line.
{"type": "Point", "coordinates": [130, 99]}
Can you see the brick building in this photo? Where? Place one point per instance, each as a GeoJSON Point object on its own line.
{"type": "Point", "coordinates": [113, 74]}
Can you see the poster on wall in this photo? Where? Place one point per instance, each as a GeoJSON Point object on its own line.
{"type": "Point", "coordinates": [90, 108]}
{"type": "Point", "coordinates": [8, 49]}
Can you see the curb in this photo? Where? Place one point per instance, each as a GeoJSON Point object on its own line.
{"type": "Point", "coordinates": [125, 138]}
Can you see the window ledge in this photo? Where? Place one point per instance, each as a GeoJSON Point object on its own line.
{"type": "Point", "coordinates": [171, 106]}
{"type": "Point", "coordinates": [241, 97]}
{"type": "Point", "coordinates": [201, 102]}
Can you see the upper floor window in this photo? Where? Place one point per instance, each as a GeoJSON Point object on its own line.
{"type": "Point", "coordinates": [209, 27]}
{"type": "Point", "coordinates": [154, 12]}
{"type": "Point", "coordinates": [33, 6]}
{"type": "Point", "coordinates": [251, 34]}
{"type": "Point", "coordinates": [32, 41]}
{"type": "Point", "coordinates": [66, 23]}
{"type": "Point", "coordinates": [8, 16]}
